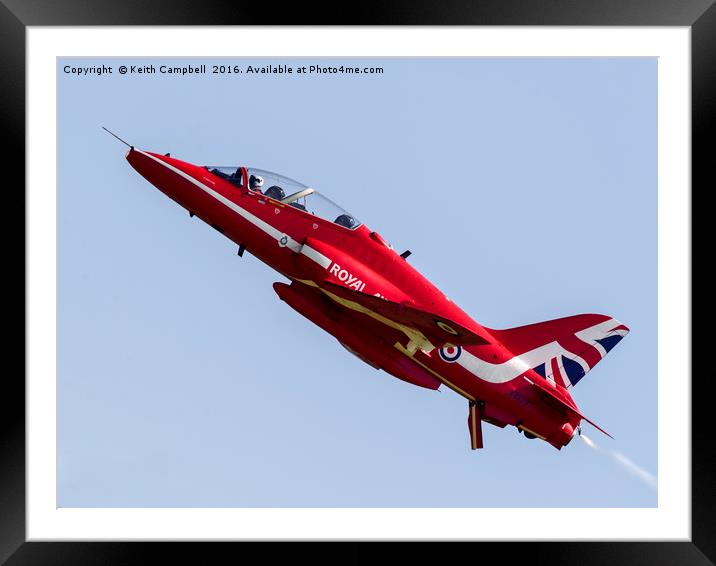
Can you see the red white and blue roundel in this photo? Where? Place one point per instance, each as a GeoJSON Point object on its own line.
{"type": "Point", "coordinates": [450, 353]}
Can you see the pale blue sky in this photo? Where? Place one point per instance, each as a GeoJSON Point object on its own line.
{"type": "Point", "coordinates": [526, 189]}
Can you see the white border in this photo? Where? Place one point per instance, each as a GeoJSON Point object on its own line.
{"type": "Point", "coordinates": [671, 520]}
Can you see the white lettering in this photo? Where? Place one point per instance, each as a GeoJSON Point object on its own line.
{"type": "Point", "coordinates": [348, 278]}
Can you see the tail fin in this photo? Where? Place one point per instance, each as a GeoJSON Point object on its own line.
{"type": "Point", "coordinates": [565, 349]}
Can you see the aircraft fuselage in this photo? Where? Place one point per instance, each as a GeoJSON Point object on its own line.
{"type": "Point", "coordinates": [322, 258]}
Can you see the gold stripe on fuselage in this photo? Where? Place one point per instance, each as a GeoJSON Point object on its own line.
{"type": "Point", "coordinates": [455, 388]}
{"type": "Point", "coordinates": [414, 335]}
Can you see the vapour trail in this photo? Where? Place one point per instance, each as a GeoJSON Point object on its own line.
{"type": "Point", "coordinates": [646, 477]}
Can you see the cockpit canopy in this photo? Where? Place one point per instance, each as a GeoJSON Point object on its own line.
{"type": "Point", "coordinates": [288, 191]}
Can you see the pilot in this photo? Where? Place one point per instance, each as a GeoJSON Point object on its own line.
{"type": "Point", "coordinates": [275, 192]}
{"type": "Point", "coordinates": [256, 182]}
{"type": "Point", "coordinates": [345, 220]}
{"type": "Point", "coordinates": [236, 178]}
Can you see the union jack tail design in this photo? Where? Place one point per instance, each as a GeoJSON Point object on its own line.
{"type": "Point", "coordinates": [565, 349]}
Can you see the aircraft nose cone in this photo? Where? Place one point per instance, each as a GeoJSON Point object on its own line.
{"type": "Point", "coordinates": [147, 167]}
{"type": "Point", "coordinates": [132, 157]}
{"type": "Point", "coordinates": [168, 175]}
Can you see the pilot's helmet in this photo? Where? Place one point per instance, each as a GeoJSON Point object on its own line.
{"type": "Point", "coordinates": [345, 220]}
{"type": "Point", "coordinates": [256, 182]}
{"type": "Point", "coordinates": [275, 192]}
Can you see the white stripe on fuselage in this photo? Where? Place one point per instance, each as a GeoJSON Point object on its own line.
{"type": "Point", "coordinates": [316, 256]}
{"type": "Point", "coordinates": [292, 244]}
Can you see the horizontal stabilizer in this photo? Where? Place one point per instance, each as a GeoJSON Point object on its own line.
{"type": "Point", "coordinates": [437, 329]}
{"type": "Point", "coordinates": [561, 396]}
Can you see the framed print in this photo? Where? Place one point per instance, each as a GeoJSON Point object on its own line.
{"type": "Point", "coordinates": [534, 163]}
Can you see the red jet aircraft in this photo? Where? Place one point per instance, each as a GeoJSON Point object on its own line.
{"type": "Point", "coordinates": [349, 281]}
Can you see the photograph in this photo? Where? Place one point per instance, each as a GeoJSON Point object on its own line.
{"type": "Point", "coordinates": [419, 275]}
{"type": "Point", "coordinates": [357, 282]}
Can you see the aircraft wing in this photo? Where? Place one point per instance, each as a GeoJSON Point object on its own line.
{"type": "Point", "coordinates": [417, 323]}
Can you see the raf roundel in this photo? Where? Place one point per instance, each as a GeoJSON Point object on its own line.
{"type": "Point", "coordinates": [450, 353]}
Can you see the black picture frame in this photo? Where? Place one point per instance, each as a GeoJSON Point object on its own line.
{"type": "Point", "coordinates": [16, 15]}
